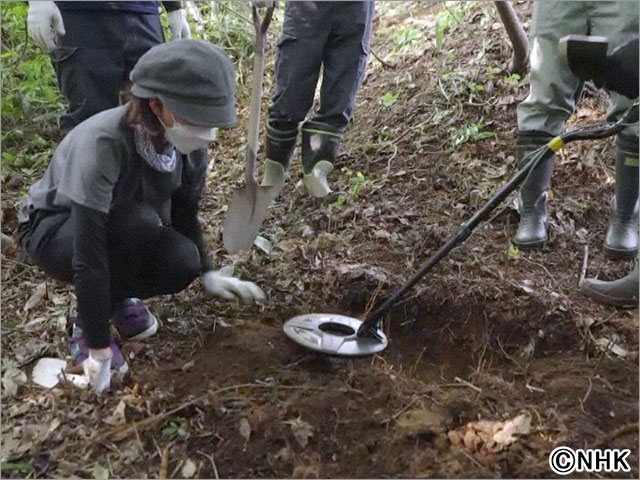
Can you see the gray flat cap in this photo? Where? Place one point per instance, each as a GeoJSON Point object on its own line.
{"type": "Point", "coordinates": [192, 77]}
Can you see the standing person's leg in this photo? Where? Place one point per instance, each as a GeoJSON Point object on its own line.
{"type": "Point", "coordinates": [542, 115]}
{"type": "Point", "coordinates": [142, 31]}
{"type": "Point", "coordinates": [89, 64]}
{"type": "Point", "coordinates": [304, 33]}
{"type": "Point", "coordinates": [618, 21]}
{"type": "Point", "coordinates": [344, 61]}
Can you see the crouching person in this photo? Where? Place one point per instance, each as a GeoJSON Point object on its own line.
{"type": "Point", "coordinates": [116, 210]}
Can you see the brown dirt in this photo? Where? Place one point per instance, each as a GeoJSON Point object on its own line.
{"type": "Point", "coordinates": [484, 336]}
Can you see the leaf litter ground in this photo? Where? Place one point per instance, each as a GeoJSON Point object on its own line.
{"type": "Point", "coordinates": [491, 337]}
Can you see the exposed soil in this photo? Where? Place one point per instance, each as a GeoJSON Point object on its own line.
{"type": "Point", "coordinates": [487, 335]}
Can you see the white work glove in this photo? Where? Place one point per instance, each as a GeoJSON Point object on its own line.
{"type": "Point", "coordinates": [44, 24]}
{"type": "Point", "coordinates": [97, 368]}
{"type": "Point", "coordinates": [222, 284]}
{"type": "Point", "coordinates": [178, 24]}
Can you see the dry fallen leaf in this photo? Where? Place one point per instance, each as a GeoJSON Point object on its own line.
{"type": "Point", "coordinates": [36, 297]}
{"type": "Point", "coordinates": [302, 431]}
{"type": "Point", "coordinates": [245, 429]}
{"type": "Point", "coordinates": [189, 469]}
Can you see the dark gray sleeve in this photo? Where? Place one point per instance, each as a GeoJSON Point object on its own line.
{"type": "Point", "coordinates": [91, 276]}
{"type": "Point", "coordinates": [184, 202]}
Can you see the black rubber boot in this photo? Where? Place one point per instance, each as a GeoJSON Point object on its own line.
{"type": "Point", "coordinates": [279, 150]}
{"type": "Point", "coordinates": [621, 241]}
{"type": "Point", "coordinates": [620, 293]}
{"type": "Point", "coordinates": [320, 144]}
{"type": "Point", "coordinates": [532, 198]}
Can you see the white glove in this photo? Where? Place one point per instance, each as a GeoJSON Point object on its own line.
{"type": "Point", "coordinates": [178, 24]}
{"type": "Point", "coordinates": [97, 368]}
{"type": "Point", "coordinates": [221, 283]}
{"type": "Point", "coordinates": [44, 24]}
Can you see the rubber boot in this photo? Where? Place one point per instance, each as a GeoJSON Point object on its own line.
{"type": "Point", "coordinates": [279, 149]}
{"type": "Point", "coordinates": [620, 293]}
{"type": "Point", "coordinates": [320, 144]}
{"type": "Point", "coordinates": [621, 241]}
{"type": "Point", "coordinates": [532, 198]}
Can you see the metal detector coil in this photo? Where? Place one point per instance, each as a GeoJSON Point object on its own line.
{"type": "Point", "coordinates": [333, 334]}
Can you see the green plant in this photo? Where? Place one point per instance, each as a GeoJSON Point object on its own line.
{"type": "Point", "coordinates": [406, 37]}
{"type": "Point", "coordinates": [470, 132]}
{"type": "Point", "coordinates": [29, 91]}
{"type": "Point", "coordinates": [475, 88]}
{"type": "Point", "coordinates": [357, 185]}
{"type": "Point", "coordinates": [513, 79]}
{"type": "Point", "coordinates": [389, 99]}
{"type": "Point", "coordinates": [173, 429]}
{"type": "Point", "coordinates": [444, 19]}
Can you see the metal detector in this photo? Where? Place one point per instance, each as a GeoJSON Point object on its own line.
{"type": "Point", "coordinates": [340, 335]}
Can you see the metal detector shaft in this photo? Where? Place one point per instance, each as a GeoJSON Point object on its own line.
{"type": "Point", "coordinates": [372, 323]}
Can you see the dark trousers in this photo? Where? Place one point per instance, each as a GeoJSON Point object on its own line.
{"type": "Point", "coordinates": [145, 257]}
{"type": "Point", "coordinates": [335, 36]}
{"type": "Point", "coordinates": [95, 57]}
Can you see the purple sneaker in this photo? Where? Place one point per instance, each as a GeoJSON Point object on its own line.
{"type": "Point", "coordinates": [133, 320]}
{"type": "Point", "coordinates": [79, 348]}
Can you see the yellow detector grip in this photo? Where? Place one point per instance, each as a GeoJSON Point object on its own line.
{"type": "Point", "coordinates": [555, 144]}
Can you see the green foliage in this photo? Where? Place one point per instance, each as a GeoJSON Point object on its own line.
{"type": "Point", "coordinates": [389, 99]}
{"type": "Point", "coordinates": [470, 132]}
{"type": "Point", "coordinates": [444, 20]}
{"type": "Point", "coordinates": [357, 185]}
{"type": "Point", "coordinates": [31, 102]}
{"type": "Point", "coordinates": [513, 79]}
{"type": "Point", "coordinates": [475, 88]}
{"type": "Point", "coordinates": [406, 37]}
{"type": "Point", "coordinates": [20, 467]}
{"type": "Point", "coordinates": [99, 472]}
{"type": "Point", "coordinates": [514, 252]}
{"type": "Point", "coordinates": [173, 430]}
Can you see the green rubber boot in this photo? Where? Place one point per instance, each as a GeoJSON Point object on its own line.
{"type": "Point", "coordinates": [532, 198]}
{"type": "Point", "coordinates": [320, 144]}
{"type": "Point", "coordinates": [621, 241]}
{"type": "Point", "coordinates": [620, 293]}
{"type": "Point", "coordinates": [279, 150]}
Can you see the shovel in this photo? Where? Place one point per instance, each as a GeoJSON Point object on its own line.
{"type": "Point", "coordinates": [249, 205]}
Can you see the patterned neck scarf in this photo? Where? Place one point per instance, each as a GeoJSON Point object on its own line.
{"type": "Point", "coordinates": [164, 161]}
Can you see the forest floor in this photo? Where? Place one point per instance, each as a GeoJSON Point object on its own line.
{"type": "Point", "coordinates": [490, 334]}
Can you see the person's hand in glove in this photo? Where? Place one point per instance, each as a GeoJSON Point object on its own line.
{"type": "Point", "coordinates": [222, 284]}
{"type": "Point", "coordinates": [97, 368]}
{"type": "Point", "coordinates": [44, 24]}
{"type": "Point", "coordinates": [178, 24]}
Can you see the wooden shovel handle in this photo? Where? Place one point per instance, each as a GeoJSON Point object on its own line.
{"type": "Point", "coordinates": [261, 27]}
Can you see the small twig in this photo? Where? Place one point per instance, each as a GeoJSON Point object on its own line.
{"type": "Point", "coordinates": [583, 272]}
{"type": "Point", "coordinates": [555, 282]}
{"type": "Point", "coordinates": [586, 395]}
{"type": "Point", "coordinates": [384, 64]}
{"type": "Point", "coordinates": [468, 384]}
{"type": "Point", "coordinates": [415, 365]}
{"type": "Point", "coordinates": [470, 457]}
{"type": "Point", "coordinates": [531, 388]}
{"type": "Point", "coordinates": [400, 412]}
{"type": "Point", "coordinates": [164, 463]}
{"type": "Point", "coordinates": [213, 462]}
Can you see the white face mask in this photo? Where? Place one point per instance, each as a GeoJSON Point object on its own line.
{"type": "Point", "coordinates": [187, 138]}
